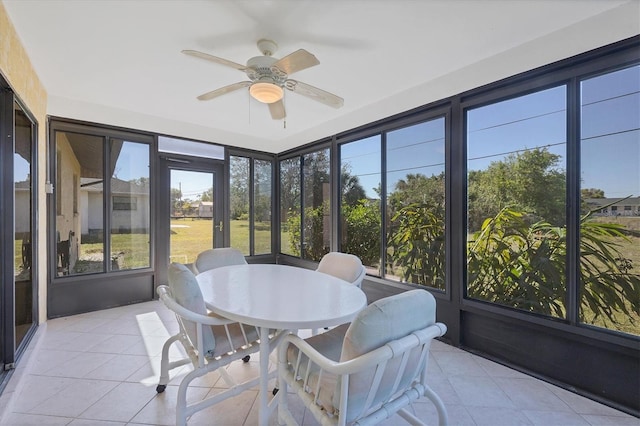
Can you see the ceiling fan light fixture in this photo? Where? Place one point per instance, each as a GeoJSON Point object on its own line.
{"type": "Point", "coordinates": [267, 93]}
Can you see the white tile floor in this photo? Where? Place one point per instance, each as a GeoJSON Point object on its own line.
{"type": "Point", "coordinates": [102, 368]}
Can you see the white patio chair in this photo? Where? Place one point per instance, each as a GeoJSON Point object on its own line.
{"type": "Point", "coordinates": [218, 257]}
{"type": "Point", "coordinates": [367, 371]}
{"type": "Point", "coordinates": [345, 266]}
{"type": "Point", "coordinates": [210, 341]}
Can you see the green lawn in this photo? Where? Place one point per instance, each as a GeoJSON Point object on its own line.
{"type": "Point", "coordinates": [189, 237]}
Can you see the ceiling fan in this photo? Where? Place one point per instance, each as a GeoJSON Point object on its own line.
{"type": "Point", "coordinates": [268, 77]}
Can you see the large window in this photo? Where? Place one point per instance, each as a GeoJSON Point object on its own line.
{"type": "Point", "coordinates": [610, 189]}
{"type": "Point", "coordinates": [412, 232]}
{"type": "Point", "coordinates": [516, 251]}
{"type": "Point", "coordinates": [262, 196]}
{"type": "Point", "coordinates": [316, 225]}
{"type": "Point", "coordinates": [290, 206]}
{"type": "Point", "coordinates": [130, 218]}
{"type": "Point", "coordinates": [239, 203]}
{"type": "Point", "coordinates": [415, 203]}
{"type": "Point", "coordinates": [360, 192]}
{"type": "Point", "coordinates": [305, 205]}
{"type": "Point", "coordinates": [83, 195]}
{"type": "Point", "coordinates": [250, 201]}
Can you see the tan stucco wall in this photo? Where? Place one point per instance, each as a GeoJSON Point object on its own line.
{"type": "Point", "coordinates": [16, 68]}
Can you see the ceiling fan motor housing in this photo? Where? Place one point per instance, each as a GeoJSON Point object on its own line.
{"type": "Point", "coordinates": [260, 68]}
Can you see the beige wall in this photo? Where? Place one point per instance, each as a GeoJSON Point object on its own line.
{"type": "Point", "coordinates": [16, 68]}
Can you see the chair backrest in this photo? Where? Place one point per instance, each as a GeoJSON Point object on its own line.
{"type": "Point", "coordinates": [384, 321]}
{"type": "Point", "coordinates": [192, 267]}
{"type": "Point", "coordinates": [186, 292]}
{"type": "Point", "coordinates": [218, 257]}
{"type": "Point", "coordinates": [345, 266]}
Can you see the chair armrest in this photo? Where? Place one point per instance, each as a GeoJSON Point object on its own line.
{"type": "Point", "coordinates": [165, 295]}
{"type": "Point", "coordinates": [364, 361]}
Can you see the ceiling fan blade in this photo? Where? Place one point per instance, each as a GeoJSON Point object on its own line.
{"type": "Point", "coordinates": [296, 61]}
{"type": "Point", "coordinates": [223, 90]}
{"type": "Point", "coordinates": [277, 110]}
{"type": "Point", "coordinates": [215, 59]}
{"type": "Point", "coordinates": [315, 93]}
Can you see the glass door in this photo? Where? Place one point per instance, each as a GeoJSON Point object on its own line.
{"type": "Point", "coordinates": [192, 223]}
{"type": "Point", "coordinates": [18, 294]}
{"type": "Point", "coordinates": [23, 225]}
{"type": "Point", "coordinates": [191, 214]}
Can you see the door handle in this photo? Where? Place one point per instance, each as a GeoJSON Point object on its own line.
{"type": "Point", "coordinates": [219, 226]}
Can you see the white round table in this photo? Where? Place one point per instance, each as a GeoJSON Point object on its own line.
{"type": "Point", "coordinates": [278, 297]}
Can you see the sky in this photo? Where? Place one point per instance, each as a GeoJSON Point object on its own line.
{"type": "Point", "coordinates": [610, 122]}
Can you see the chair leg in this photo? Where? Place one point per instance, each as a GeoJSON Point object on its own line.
{"type": "Point", "coordinates": [443, 417]}
{"type": "Point", "coordinates": [164, 364]}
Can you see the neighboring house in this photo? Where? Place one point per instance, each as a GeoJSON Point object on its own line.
{"type": "Point", "coordinates": [615, 206]}
{"type": "Point", "coordinates": [22, 208]}
{"type": "Point", "coordinates": [129, 206]}
{"type": "Point", "coordinates": [205, 209]}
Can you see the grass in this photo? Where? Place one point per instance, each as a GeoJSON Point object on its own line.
{"type": "Point", "coordinates": [190, 237]}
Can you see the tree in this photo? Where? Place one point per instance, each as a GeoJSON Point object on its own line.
{"type": "Point", "coordinates": [415, 231]}
{"type": "Point", "coordinates": [591, 193]}
{"type": "Point", "coordinates": [207, 195]}
{"type": "Point", "coordinates": [352, 190]}
{"type": "Point", "coordinates": [417, 245]}
{"type": "Point", "coordinates": [290, 192]}
{"type": "Point", "coordinates": [530, 182]}
{"type": "Point", "coordinates": [361, 230]}
{"type": "Point", "coordinates": [418, 188]}
{"type": "Point", "coordinates": [239, 187]}
{"type": "Point", "coordinates": [176, 201]}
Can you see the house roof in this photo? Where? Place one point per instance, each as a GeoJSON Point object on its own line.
{"type": "Point", "coordinates": [120, 63]}
{"type": "Point", "coordinates": [629, 201]}
{"type": "Point", "coordinates": [118, 187]}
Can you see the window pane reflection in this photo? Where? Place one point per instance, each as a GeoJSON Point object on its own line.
{"type": "Point", "coordinates": [23, 250]}
{"type": "Point", "coordinates": [79, 204]}
{"type": "Point", "coordinates": [129, 205]}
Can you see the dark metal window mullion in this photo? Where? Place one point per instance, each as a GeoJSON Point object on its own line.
{"type": "Point", "coordinates": [7, 285]}
{"type": "Point", "coordinates": [302, 207]}
{"type": "Point", "coordinates": [335, 196]}
{"type": "Point", "coordinates": [106, 213]}
{"type": "Point", "coordinates": [252, 210]}
{"type": "Point", "coordinates": [383, 203]}
{"type": "Point", "coordinates": [573, 284]}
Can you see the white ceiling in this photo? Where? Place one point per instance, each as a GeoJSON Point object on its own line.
{"type": "Point", "coordinates": [118, 62]}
